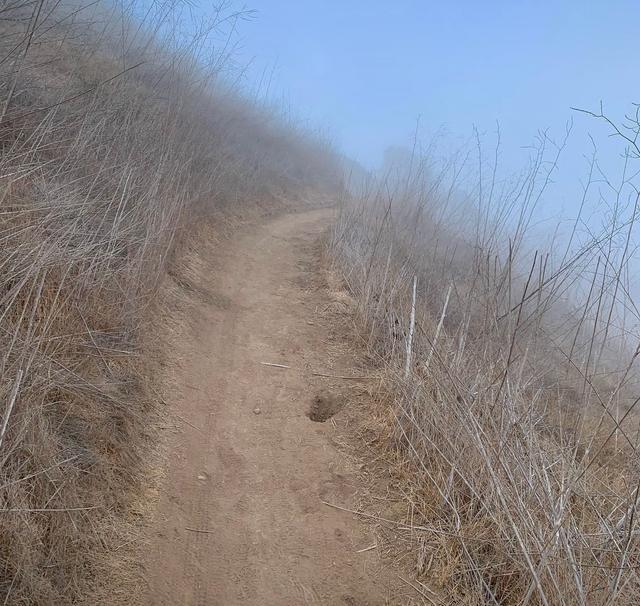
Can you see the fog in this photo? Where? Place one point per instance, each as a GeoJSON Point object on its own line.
{"type": "Point", "coordinates": [370, 73]}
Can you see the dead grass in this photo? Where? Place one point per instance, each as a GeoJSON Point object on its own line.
{"type": "Point", "coordinates": [115, 142]}
{"type": "Point", "coordinates": [514, 434]}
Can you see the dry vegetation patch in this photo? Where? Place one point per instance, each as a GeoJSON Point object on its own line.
{"type": "Point", "coordinates": [118, 137]}
{"type": "Point", "coordinates": [509, 385]}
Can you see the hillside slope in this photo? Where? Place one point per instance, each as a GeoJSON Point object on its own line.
{"type": "Point", "coordinates": [509, 405]}
{"type": "Point", "coordinates": [116, 146]}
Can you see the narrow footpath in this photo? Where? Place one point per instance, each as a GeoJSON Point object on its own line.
{"type": "Point", "coordinates": [242, 517]}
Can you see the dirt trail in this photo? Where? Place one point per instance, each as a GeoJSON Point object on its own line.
{"type": "Point", "coordinates": [241, 518]}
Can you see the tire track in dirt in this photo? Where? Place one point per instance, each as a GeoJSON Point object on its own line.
{"type": "Point", "coordinates": [240, 518]}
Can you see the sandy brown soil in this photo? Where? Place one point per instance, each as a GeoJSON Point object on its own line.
{"type": "Point", "coordinates": [241, 518]}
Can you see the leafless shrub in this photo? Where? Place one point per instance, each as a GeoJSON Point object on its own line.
{"type": "Point", "coordinates": [518, 417]}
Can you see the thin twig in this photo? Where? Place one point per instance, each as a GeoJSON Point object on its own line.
{"type": "Point", "coordinates": [275, 365]}
{"type": "Point", "coordinates": [412, 325]}
{"type": "Point", "coordinates": [201, 531]}
{"type": "Point", "coordinates": [12, 401]}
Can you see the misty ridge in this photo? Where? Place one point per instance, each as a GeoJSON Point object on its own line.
{"type": "Point", "coordinates": [499, 323]}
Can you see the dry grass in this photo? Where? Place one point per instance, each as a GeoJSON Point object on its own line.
{"type": "Point", "coordinates": [516, 424]}
{"type": "Point", "coordinates": [114, 141]}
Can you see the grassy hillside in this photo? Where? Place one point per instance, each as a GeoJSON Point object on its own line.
{"type": "Point", "coordinates": [118, 135]}
{"type": "Point", "coordinates": [511, 379]}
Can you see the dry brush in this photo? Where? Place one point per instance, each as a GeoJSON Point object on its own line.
{"type": "Point", "coordinates": [517, 417]}
{"type": "Point", "coordinates": [118, 133]}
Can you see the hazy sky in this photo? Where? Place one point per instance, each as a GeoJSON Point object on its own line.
{"type": "Point", "coordinates": [365, 70]}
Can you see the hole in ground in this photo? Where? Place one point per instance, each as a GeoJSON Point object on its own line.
{"type": "Point", "coordinates": [323, 407]}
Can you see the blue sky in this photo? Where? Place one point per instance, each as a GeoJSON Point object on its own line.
{"type": "Point", "coordinates": [365, 70]}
